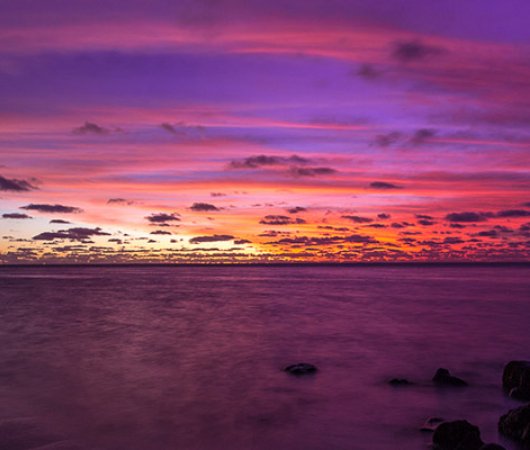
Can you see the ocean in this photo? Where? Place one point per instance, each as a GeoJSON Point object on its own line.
{"type": "Point", "coordinates": [162, 357]}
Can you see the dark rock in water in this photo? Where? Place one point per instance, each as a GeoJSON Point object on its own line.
{"type": "Point", "coordinates": [516, 425]}
{"type": "Point", "coordinates": [399, 382]}
{"type": "Point", "coordinates": [519, 394]}
{"type": "Point", "coordinates": [301, 369]}
{"type": "Point", "coordinates": [492, 447]}
{"type": "Point", "coordinates": [22, 434]}
{"type": "Point", "coordinates": [516, 379]}
{"type": "Point", "coordinates": [442, 377]}
{"type": "Point", "coordinates": [457, 435]}
{"type": "Point", "coordinates": [431, 424]}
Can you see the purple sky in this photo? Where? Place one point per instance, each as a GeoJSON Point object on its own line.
{"type": "Point", "coordinates": [315, 130]}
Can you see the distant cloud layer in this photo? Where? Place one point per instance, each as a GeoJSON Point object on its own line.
{"type": "Point", "coordinates": [310, 130]}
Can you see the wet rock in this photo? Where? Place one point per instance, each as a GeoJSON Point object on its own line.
{"type": "Point", "coordinates": [516, 425]}
{"type": "Point", "coordinates": [442, 377]}
{"type": "Point", "coordinates": [399, 382]}
{"type": "Point", "coordinates": [492, 447]}
{"type": "Point", "coordinates": [301, 369]}
{"type": "Point", "coordinates": [431, 424]}
{"type": "Point", "coordinates": [22, 434]}
{"type": "Point", "coordinates": [457, 435]}
{"type": "Point", "coordinates": [516, 379]}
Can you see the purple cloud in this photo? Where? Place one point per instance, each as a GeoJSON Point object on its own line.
{"type": "Point", "coordinates": [358, 219]}
{"type": "Point", "coordinates": [72, 234]}
{"type": "Point", "coordinates": [467, 217]}
{"type": "Point", "coordinates": [11, 184]}
{"type": "Point", "coordinates": [213, 238]}
{"type": "Point", "coordinates": [255, 162]}
{"type": "Point", "coordinates": [163, 218]}
{"type": "Point", "coordinates": [46, 208]}
{"type": "Point", "coordinates": [411, 51]}
{"type": "Point", "coordinates": [280, 220]}
{"type": "Point", "coordinates": [383, 185]}
{"type": "Point", "coordinates": [16, 216]}
{"type": "Point", "coordinates": [311, 171]}
{"type": "Point", "coordinates": [91, 128]}
{"type": "Point", "coordinates": [203, 207]}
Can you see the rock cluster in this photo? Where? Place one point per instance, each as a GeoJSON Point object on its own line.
{"type": "Point", "coordinates": [515, 424]}
{"type": "Point", "coordinates": [442, 377]}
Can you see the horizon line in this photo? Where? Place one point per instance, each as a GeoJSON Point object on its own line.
{"type": "Point", "coordinates": [276, 264]}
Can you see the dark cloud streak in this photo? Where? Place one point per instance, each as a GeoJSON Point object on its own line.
{"type": "Point", "coordinates": [163, 218]}
{"type": "Point", "coordinates": [383, 185]}
{"type": "Point", "coordinates": [213, 238]}
{"type": "Point", "coordinates": [72, 234]}
{"type": "Point", "coordinates": [46, 208]}
{"type": "Point", "coordinates": [415, 50]}
{"type": "Point", "coordinates": [14, 185]}
{"type": "Point", "coordinates": [280, 220]}
{"type": "Point", "coordinates": [16, 216]}
{"type": "Point", "coordinates": [203, 207]}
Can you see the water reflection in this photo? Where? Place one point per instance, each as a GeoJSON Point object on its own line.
{"type": "Point", "coordinates": [191, 358]}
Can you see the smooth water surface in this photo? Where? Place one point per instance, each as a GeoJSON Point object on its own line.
{"type": "Point", "coordinates": [142, 358]}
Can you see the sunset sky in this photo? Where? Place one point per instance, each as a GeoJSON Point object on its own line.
{"type": "Point", "coordinates": [240, 131]}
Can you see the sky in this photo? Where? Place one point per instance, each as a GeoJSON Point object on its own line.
{"type": "Point", "coordinates": [223, 131]}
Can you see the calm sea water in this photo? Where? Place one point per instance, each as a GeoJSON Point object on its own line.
{"type": "Point", "coordinates": [143, 358]}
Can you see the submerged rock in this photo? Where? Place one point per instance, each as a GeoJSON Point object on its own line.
{"type": "Point", "coordinates": [457, 435]}
{"type": "Point", "coordinates": [431, 424]}
{"type": "Point", "coordinates": [399, 382]}
{"type": "Point", "coordinates": [516, 379]}
{"type": "Point", "coordinates": [442, 377]}
{"type": "Point", "coordinates": [301, 369]}
{"type": "Point", "coordinates": [516, 425]}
